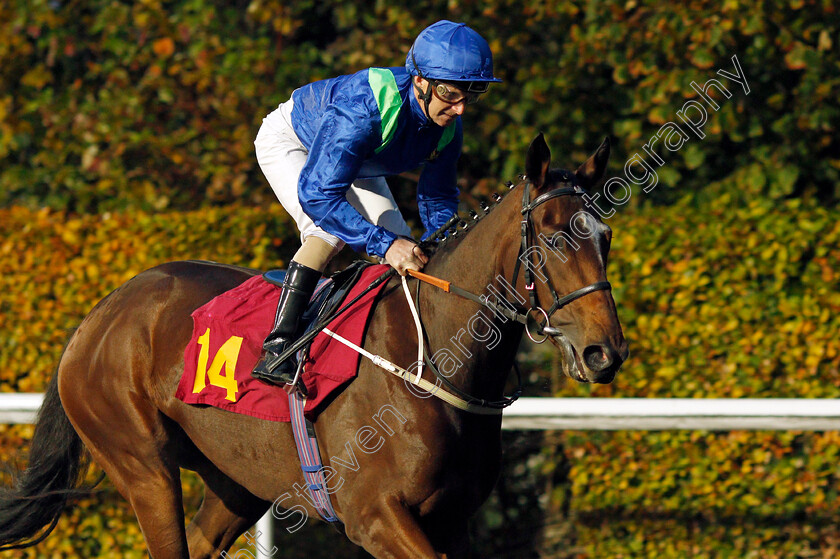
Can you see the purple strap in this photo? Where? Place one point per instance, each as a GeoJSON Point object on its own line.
{"type": "Point", "coordinates": [310, 457]}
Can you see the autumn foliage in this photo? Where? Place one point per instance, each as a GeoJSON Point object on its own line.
{"type": "Point", "coordinates": [156, 104]}
{"type": "Point", "coordinates": [126, 133]}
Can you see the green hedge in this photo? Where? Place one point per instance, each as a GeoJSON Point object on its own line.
{"type": "Point", "coordinates": [717, 300]}
{"type": "Point", "coordinates": [153, 104]}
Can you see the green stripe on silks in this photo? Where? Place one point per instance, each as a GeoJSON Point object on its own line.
{"type": "Point", "coordinates": [445, 138]}
{"type": "Point", "coordinates": [388, 99]}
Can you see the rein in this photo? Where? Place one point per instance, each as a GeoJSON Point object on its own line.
{"type": "Point", "coordinates": [521, 316]}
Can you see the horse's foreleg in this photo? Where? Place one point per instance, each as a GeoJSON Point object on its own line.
{"type": "Point", "coordinates": [388, 530]}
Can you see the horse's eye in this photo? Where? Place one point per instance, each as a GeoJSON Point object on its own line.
{"type": "Point", "coordinates": [556, 241]}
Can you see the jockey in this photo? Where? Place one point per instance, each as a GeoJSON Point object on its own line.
{"type": "Point", "coordinates": [326, 151]}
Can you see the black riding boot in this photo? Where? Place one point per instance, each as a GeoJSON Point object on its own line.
{"type": "Point", "coordinates": [298, 286]}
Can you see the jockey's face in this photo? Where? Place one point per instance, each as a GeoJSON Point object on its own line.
{"type": "Point", "coordinates": [443, 112]}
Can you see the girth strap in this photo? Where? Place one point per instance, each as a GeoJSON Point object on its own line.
{"type": "Point", "coordinates": [310, 458]}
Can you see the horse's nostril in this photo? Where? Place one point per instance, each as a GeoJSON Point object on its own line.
{"type": "Point", "coordinates": [597, 357]}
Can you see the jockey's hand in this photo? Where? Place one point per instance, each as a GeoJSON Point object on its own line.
{"type": "Point", "coordinates": [404, 254]}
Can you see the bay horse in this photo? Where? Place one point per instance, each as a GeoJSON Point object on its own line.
{"type": "Point", "coordinates": [113, 392]}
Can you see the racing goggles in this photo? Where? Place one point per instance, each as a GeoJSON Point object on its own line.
{"type": "Point", "coordinates": [451, 94]}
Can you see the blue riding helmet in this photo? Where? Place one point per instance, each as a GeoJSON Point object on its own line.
{"type": "Point", "coordinates": [451, 52]}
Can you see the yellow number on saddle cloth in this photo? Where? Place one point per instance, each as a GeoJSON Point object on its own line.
{"type": "Point", "coordinates": [227, 356]}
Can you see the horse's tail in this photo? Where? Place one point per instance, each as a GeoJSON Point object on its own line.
{"type": "Point", "coordinates": [58, 462]}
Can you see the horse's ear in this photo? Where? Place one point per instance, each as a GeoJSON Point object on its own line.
{"type": "Point", "coordinates": [591, 172]}
{"type": "Point", "coordinates": [537, 160]}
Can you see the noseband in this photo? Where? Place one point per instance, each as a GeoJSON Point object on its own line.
{"type": "Point", "coordinates": [527, 229]}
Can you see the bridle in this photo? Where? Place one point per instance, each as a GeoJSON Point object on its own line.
{"type": "Point", "coordinates": [510, 310]}
{"type": "Point", "coordinates": [527, 230]}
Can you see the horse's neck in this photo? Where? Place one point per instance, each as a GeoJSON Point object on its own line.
{"type": "Point", "coordinates": [463, 331]}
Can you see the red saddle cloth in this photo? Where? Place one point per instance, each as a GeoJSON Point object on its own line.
{"type": "Point", "coordinates": [228, 333]}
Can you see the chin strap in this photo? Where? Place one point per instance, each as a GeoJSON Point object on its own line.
{"type": "Point", "coordinates": [425, 96]}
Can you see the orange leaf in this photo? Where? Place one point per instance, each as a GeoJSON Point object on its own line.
{"type": "Point", "coordinates": [164, 47]}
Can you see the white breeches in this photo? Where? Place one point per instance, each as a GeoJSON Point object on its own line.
{"type": "Point", "coordinates": [281, 156]}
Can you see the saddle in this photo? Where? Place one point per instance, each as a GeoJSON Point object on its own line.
{"type": "Point", "coordinates": [229, 330]}
{"type": "Point", "coordinates": [327, 298]}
